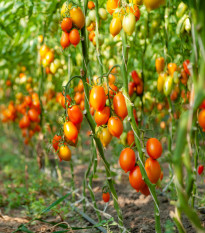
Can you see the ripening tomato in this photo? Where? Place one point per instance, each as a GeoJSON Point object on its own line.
{"type": "Point", "coordinates": [135, 77]}
{"type": "Point", "coordinates": [160, 81]}
{"type": "Point", "coordinates": [168, 85]}
{"type": "Point", "coordinates": [65, 41]}
{"type": "Point", "coordinates": [159, 64]}
{"type": "Point", "coordinates": [111, 78]}
{"type": "Point", "coordinates": [106, 197]}
{"type": "Point", "coordinates": [153, 4]}
{"type": "Point", "coordinates": [153, 170]}
{"type": "Point", "coordinates": [200, 169]}
{"type": "Point", "coordinates": [66, 24]}
{"type": "Point", "coordinates": [115, 126]}
{"type": "Point", "coordinates": [91, 5]}
{"type": "Point", "coordinates": [56, 141]}
{"type": "Point", "coordinates": [140, 88]}
{"type": "Point", "coordinates": [128, 24]}
{"type": "Point", "coordinates": [186, 66]}
{"type": "Point", "coordinates": [105, 137]}
{"type": "Point", "coordinates": [145, 190]}
{"type": "Point", "coordinates": [75, 114]}
{"type": "Point", "coordinates": [74, 37]}
{"type": "Point", "coordinates": [28, 100]}
{"type": "Point", "coordinates": [24, 122]}
{"type": "Point", "coordinates": [130, 138]}
{"type": "Point", "coordinates": [33, 115]}
{"type": "Point", "coordinates": [78, 97]}
{"type": "Point", "coordinates": [172, 67]}
{"type": "Point", "coordinates": [65, 9]}
{"type": "Point", "coordinates": [119, 13]}
{"type": "Point", "coordinates": [184, 77]}
{"type": "Point", "coordinates": [70, 131]}
{"type": "Point", "coordinates": [64, 153]}
{"type": "Point", "coordinates": [112, 5]}
{"type": "Point", "coordinates": [43, 50]}
{"type": "Point", "coordinates": [80, 86]}
{"type": "Point", "coordinates": [127, 159]}
{"type": "Point", "coordinates": [91, 35]}
{"type": "Point", "coordinates": [115, 26]}
{"type": "Point", "coordinates": [120, 105]}
{"type": "Point", "coordinates": [77, 16]}
{"type": "Point", "coordinates": [49, 57]}
{"type": "Point", "coordinates": [154, 148]}
{"type": "Point", "coordinates": [201, 118]}
{"type": "Point", "coordinates": [135, 178]}
{"type": "Point", "coordinates": [97, 98]}
{"type": "Point", "coordinates": [67, 100]}
{"type": "Point", "coordinates": [135, 11]}
{"type": "Point", "coordinates": [112, 90]}
{"type": "Point", "coordinates": [102, 117]}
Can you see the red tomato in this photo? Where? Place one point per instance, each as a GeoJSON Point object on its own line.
{"type": "Point", "coordinates": [66, 24]}
{"type": "Point", "coordinates": [201, 118]}
{"type": "Point", "coordinates": [200, 169]}
{"type": "Point", "coordinates": [55, 142]}
{"type": "Point", "coordinates": [135, 77]}
{"type": "Point", "coordinates": [130, 138]}
{"type": "Point", "coordinates": [75, 114]}
{"type": "Point", "coordinates": [145, 190]}
{"type": "Point", "coordinates": [131, 88]}
{"type": "Point", "coordinates": [154, 148]}
{"type": "Point", "coordinates": [185, 65]}
{"type": "Point", "coordinates": [120, 105]}
{"type": "Point", "coordinates": [33, 115]}
{"type": "Point", "coordinates": [153, 170]}
{"type": "Point", "coordinates": [135, 178]}
{"type": "Point", "coordinates": [127, 159]}
{"type": "Point", "coordinates": [202, 104]}
{"type": "Point", "coordinates": [106, 197]}
{"type": "Point", "coordinates": [24, 122]}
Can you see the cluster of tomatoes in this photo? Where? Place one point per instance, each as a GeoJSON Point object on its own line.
{"type": "Point", "coordinates": [127, 162]}
{"type": "Point", "coordinates": [123, 17]}
{"type": "Point", "coordinates": [73, 20]}
{"type": "Point", "coordinates": [169, 80]}
{"type": "Point", "coordinates": [91, 22]}
{"type": "Point", "coordinates": [29, 107]}
{"type": "Point", "coordinates": [136, 85]}
{"type": "Point", "coordinates": [48, 60]}
{"type": "Point", "coordinates": [71, 127]}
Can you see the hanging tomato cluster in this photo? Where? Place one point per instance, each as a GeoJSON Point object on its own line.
{"type": "Point", "coordinates": [29, 107]}
{"type": "Point", "coordinates": [91, 22]}
{"type": "Point", "coordinates": [73, 21]}
{"type": "Point", "coordinates": [127, 162]}
{"type": "Point", "coordinates": [169, 81]}
{"type": "Point", "coordinates": [71, 126]}
{"type": "Point", "coordinates": [136, 85]}
{"type": "Point", "coordinates": [123, 17]}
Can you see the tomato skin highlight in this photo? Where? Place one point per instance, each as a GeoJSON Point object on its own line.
{"type": "Point", "coordinates": [135, 178]}
{"type": "Point", "coordinates": [127, 159]}
{"type": "Point", "coordinates": [106, 197]}
{"type": "Point", "coordinates": [97, 98]}
{"type": "Point", "coordinates": [154, 148]}
{"type": "Point", "coordinates": [115, 126]}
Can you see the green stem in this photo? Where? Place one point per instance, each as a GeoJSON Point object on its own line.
{"type": "Point", "coordinates": [72, 180]}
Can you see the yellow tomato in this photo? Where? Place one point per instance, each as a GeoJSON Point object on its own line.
{"type": "Point", "coordinates": [115, 26]}
{"type": "Point", "coordinates": [77, 16]}
{"type": "Point", "coordinates": [160, 81]}
{"type": "Point", "coordinates": [153, 4]}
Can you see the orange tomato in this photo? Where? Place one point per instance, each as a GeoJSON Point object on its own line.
{"type": "Point", "coordinates": [91, 5]}
{"type": "Point", "coordinates": [43, 50]}
{"type": "Point", "coordinates": [56, 141]}
{"type": "Point", "coordinates": [106, 197]}
{"type": "Point", "coordinates": [130, 138]}
{"type": "Point", "coordinates": [145, 190]}
{"type": "Point", "coordinates": [78, 97]}
{"type": "Point", "coordinates": [112, 5]}
{"type": "Point", "coordinates": [91, 35]}
{"type": "Point", "coordinates": [33, 115]}
{"type": "Point", "coordinates": [80, 86]}
{"type": "Point", "coordinates": [172, 67]}
{"type": "Point", "coordinates": [70, 131]}
{"type": "Point", "coordinates": [97, 98]}
{"type": "Point", "coordinates": [77, 16]}
{"type": "Point", "coordinates": [64, 153]}
{"type": "Point", "coordinates": [159, 64]}
{"type": "Point", "coordinates": [135, 11]}
{"type": "Point", "coordinates": [111, 78]}
{"type": "Point", "coordinates": [75, 114]}
{"type": "Point", "coordinates": [66, 24]}
{"type": "Point", "coordinates": [67, 100]}
{"type": "Point", "coordinates": [115, 126]}
{"type": "Point", "coordinates": [101, 117]}
{"type": "Point", "coordinates": [201, 118]}
{"type": "Point", "coordinates": [74, 37]}
{"type": "Point", "coordinates": [65, 41]}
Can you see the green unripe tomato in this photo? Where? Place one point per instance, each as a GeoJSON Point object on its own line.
{"type": "Point", "coordinates": [123, 138]}
{"type": "Point", "coordinates": [92, 15]}
{"type": "Point", "coordinates": [168, 85]}
{"type": "Point", "coordinates": [102, 13]}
